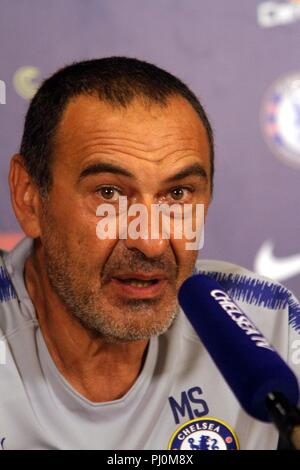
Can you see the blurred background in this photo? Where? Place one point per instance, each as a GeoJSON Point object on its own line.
{"type": "Point", "coordinates": [241, 58]}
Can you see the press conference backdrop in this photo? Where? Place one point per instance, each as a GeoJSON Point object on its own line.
{"type": "Point", "coordinates": [241, 57]}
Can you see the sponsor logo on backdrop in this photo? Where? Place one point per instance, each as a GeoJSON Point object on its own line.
{"type": "Point", "coordinates": [25, 81]}
{"type": "Point", "coordinates": [280, 118]}
{"type": "Point", "coordinates": [270, 14]}
{"type": "Point", "coordinates": [279, 269]}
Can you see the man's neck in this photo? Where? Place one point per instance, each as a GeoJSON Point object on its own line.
{"type": "Point", "coordinates": [101, 371]}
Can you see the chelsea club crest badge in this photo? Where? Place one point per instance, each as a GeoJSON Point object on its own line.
{"type": "Point", "coordinates": [204, 434]}
{"type": "Point", "coordinates": [281, 118]}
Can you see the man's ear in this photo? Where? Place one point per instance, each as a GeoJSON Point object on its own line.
{"type": "Point", "coordinates": [25, 196]}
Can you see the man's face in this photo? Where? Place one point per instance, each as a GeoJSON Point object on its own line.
{"type": "Point", "coordinates": [124, 289]}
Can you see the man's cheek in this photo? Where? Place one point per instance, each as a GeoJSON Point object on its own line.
{"type": "Point", "coordinates": [183, 254]}
{"type": "Point", "coordinates": [101, 250]}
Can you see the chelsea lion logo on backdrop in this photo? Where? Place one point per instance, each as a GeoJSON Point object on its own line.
{"type": "Point", "coordinates": [281, 118]}
{"type": "Point", "coordinates": [204, 434]}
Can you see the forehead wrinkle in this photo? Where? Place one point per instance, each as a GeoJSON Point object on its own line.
{"type": "Point", "coordinates": [138, 137]}
{"type": "Point", "coordinates": [125, 146]}
{"type": "Point", "coordinates": [157, 159]}
{"type": "Point", "coordinates": [121, 143]}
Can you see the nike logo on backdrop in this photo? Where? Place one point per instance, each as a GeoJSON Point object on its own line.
{"type": "Point", "coordinates": [279, 269]}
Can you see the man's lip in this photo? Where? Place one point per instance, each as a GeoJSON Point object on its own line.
{"type": "Point", "coordinates": [134, 292]}
{"type": "Point", "coordinates": [141, 276]}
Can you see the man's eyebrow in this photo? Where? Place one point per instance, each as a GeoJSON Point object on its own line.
{"type": "Point", "coordinates": [103, 167]}
{"type": "Point", "coordinates": [193, 170]}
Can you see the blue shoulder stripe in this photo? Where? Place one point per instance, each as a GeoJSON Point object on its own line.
{"type": "Point", "coordinates": [294, 314]}
{"type": "Point", "coordinates": [7, 291]}
{"type": "Point", "coordinates": [252, 291]}
{"type": "Point", "coordinates": [258, 292]}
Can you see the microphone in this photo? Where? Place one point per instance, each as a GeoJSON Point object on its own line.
{"type": "Point", "coordinates": [258, 376]}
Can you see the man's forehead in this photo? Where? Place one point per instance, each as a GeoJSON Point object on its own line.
{"type": "Point", "coordinates": [89, 125]}
{"type": "Point", "coordinates": [89, 113]}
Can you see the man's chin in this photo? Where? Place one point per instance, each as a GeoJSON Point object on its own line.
{"type": "Point", "coordinates": [134, 323]}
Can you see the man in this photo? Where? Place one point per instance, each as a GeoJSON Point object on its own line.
{"type": "Point", "coordinates": [98, 353]}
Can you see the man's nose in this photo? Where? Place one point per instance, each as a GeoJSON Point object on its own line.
{"type": "Point", "coordinates": [150, 248]}
{"type": "Point", "coordinates": [150, 238]}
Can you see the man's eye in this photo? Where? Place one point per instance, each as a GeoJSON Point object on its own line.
{"type": "Point", "coordinates": [109, 193]}
{"type": "Point", "coordinates": [180, 193]}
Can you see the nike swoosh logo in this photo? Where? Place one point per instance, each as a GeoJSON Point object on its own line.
{"type": "Point", "coordinates": [279, 269]}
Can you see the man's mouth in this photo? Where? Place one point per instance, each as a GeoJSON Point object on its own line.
{"type": "Point", "coordinates": [140, 284]}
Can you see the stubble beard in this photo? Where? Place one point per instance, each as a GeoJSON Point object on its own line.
{"type": "Point", "coordinates": [133, 320]}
